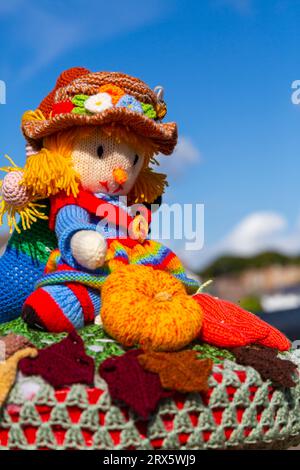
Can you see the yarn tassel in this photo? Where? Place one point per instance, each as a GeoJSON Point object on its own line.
{"type": "Point", "coordinates": [16, 200]}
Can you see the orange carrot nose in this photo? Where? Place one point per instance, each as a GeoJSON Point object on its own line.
{"type": "Point", "coordinates": [120, 175]}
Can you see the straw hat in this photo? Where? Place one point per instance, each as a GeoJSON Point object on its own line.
{"type": "Point", "coordinates": [81, 97]}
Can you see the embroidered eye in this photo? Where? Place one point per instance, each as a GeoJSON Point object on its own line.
{"type": "Point", "coordinates": [136, 159]}
{"type": "Point", "coordinates": [100, 151]}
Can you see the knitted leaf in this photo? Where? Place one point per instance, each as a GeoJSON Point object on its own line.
{"type": "Point", "coordinates": [267, 363]}
{"type": "Point", "coordinates": [227, 325]}
{"type": "Point", "coordinates": [129, 382]}
{"type": "Point", "coordinates": [13, 343]}
{"type": "Point", "coordinates": [64, 363]}
{"type": "Point", "coordinates": [180, 371]}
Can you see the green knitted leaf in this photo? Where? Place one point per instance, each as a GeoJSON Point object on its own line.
{"type": "Point", "coordinates": [148, 110]}
{"type": "Point", "coordinates": [79, 100]}
{"type": "Point", "coordinates": [208, 351]}
{"type": "Point", "coordinates": [79, 110]}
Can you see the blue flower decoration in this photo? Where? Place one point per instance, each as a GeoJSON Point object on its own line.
{"type": "Point", "coordinates": [129, 102]}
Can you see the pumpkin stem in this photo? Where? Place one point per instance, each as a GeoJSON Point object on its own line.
{"type": "Point", "coordinates": [163, 296]}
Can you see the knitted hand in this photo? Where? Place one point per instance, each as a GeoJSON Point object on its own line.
{"type": "Point", "coordinates": [89, 248]}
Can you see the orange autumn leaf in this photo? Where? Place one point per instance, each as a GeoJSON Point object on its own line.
{"type": "Point", "coordinates": [181, 371]}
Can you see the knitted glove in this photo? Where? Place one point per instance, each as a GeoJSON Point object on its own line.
{"type": "Point", "coordinates": [89, 248]}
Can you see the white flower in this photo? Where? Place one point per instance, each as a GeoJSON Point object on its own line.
{"type": "Point", "coordinates": [97, 103]}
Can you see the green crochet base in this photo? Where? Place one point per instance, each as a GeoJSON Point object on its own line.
{"type": "Point", "coordinates": [98, 344]}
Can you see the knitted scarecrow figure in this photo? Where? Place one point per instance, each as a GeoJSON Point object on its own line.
{"type": "Point", "coordinates": [206, 373]}
{"type": "Point", "coordinates": [91, 141]}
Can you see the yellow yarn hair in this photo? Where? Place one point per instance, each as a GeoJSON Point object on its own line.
{"type": "Point", "coordinates": [51, 170]}
{"type": "Point", "coordinates": [148, 307]}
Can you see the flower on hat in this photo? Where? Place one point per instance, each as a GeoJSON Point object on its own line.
{"type": "Point", "coordinates": [97, 103]}
{"type": "Point", "coordinates": [129, 102]}
{"type": "Point", "coordinates": [113, 90]}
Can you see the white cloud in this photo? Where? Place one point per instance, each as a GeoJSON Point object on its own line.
{"type": "Point", "coordinates": [257, 232]}
{"type": "Point", "coordinates": [185, 155]}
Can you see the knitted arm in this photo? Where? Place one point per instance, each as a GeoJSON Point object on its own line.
{"type": "Point", "coordinates": [78, 241]}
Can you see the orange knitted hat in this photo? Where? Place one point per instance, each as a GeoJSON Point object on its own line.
{"type": "Point", "coordinates": [81, 97]}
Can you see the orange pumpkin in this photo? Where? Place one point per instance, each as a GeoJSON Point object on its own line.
{"type": "Point", "coordinates": [148, 307]}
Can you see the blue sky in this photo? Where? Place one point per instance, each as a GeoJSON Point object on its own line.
{"type": "Point", "coordinates": [227, 68]}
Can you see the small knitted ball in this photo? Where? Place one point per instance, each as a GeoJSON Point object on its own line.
{"type": "Point", "coordinates": [147, 307]}
{"type": "Point", "coordinates": [12, 192]}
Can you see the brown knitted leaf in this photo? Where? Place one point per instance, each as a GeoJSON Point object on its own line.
{"type": "Point", "coordinates": [266, 362]}
{"type": "Point", "coordinates": [13, 343]}
{"type": "Point", "coordinates": [180, 371]}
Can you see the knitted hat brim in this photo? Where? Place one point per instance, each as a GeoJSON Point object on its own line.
{"type": "Point", "coordinates": [163, 134]}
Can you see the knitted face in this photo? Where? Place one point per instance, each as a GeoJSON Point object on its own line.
{"type": "Point", "coordinates": [104, 165]}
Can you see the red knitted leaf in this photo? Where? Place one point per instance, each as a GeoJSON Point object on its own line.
{"type": "Point", "coordinates": [129, 382]}
{"type": "Point", "coordinates": [63, 363]}
{"type": "Point", "coordinates": [227, 325]}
